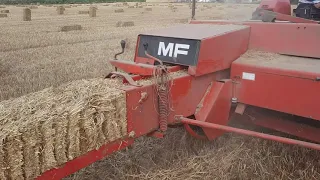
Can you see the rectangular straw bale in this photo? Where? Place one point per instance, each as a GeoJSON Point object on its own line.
{"type": "Point", "coordinates": [70, 28]}
{"type": "Point", "coordinates": [43, 130]}
{"type": "Point", "coordinates": [31, 151]}
{"type": "Point", "coordinates": [3, 165]}
{"type": "Point", "coordinates": [26, 14]}
{"type": "Point", "coordinates": [74, 134]}
{"type": "Point", "coordinates": [4, 11]}
{"type": "Point", "coordinates": [3, 15]}
{"type": "Point", "coordinates": [119, 11]}
{"type": "Point", "coordinates": [148, 9]}
{"type": "Point", "coordinates": [93, 11]}
{"type": "Point", "coordinates": [14, 146]}
{"type": "Point", "coordinates": [127, 24]}
{"type": "Point", "coordinates": [60, 144]}
{"type": "Point", "coordinates": [47, 151]}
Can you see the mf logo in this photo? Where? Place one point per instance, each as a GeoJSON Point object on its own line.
{"type": "Point", "coordinates": [173, 49]}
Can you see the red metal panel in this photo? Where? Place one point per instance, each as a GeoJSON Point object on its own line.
{"type": "Point", "coordinates": [215, 106]}
{"type": "Point", "coordinates": [280, 6]}
{"type": "Point", "coordinates": [286, 38]}
{"type": "Point", "coordinates": [298, 39]}
{"type": "Point", "coordinates": [186, 92]}
{"type": "Point", "coordinates": [85, 160]}
{"type": "Point", "coordinates": [283, 93]}
{"type": "Point", "coordinates": [214, 127]}
{"type": "Point", "coordinates": [219, 52]}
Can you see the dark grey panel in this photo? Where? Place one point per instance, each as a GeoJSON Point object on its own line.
{"type": "Point", "coordinates": [171, 50]}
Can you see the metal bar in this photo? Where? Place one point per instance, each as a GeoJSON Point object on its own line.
{"type": "Point", "coordinates": [134, 68]}
{"type": "Point", "coordinates": [250, 133]}
{"type": "Point", "coordinates": [127, 77]}
{"type": "Point", "coordinates": [193, 9]}
{"type": "Point", "coordinates": [84, 160]}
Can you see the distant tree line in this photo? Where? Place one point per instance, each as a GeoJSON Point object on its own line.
{"type": "Point", "coordinates": [62, 1]}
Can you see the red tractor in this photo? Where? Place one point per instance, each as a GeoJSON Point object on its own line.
{"type": "Point", "coordinates": [308, 9]}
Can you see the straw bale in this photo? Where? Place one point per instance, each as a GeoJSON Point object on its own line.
{"type": "Point", "coordinates": [2, 7]}
{"type": "Point", "coordinates": [26, 14]}
{"type": "Point", "coordinates": [60, 144]}
{"type": "Point", "coordinates": [70, 28]}
{"type": "Point", "coordinates": [3, 165]}
{"type": "Point", "coordinates": [47, 134]}
{"type": "Point", "coordinates": [13, 145]}
{"type": "Point", "coordinates": [124, 24]}
{"type": "Point", "coordinates": [4, 11]}
{"type": "Point", "coordinates": [60, 10]}
{"type": "Point", "coordinates": [3, 15]}
{"type": "Point", "coordinates": [44, 129]}
{"type": "Point", "coordinates": [119, 11]}
{"type": "Point", "coordinates": [130, 7]}
{"type": "Point", "coordinates": [148, 9]}
{"type": "Point", "coordinates": [93, 11]}
{"type": "Point", "coordinates": [69, 6]}
{"type": "Point", "coordinates": [127, 24]}
{"type": "Point", "coordinates": [31, 150]}
{"type": "Point", "coordinates": [83, 12]}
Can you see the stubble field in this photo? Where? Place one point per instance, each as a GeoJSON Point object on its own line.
{"type": "Point", "coordinates": [35, 55]}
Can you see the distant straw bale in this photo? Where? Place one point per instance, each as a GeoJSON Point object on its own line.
{"type": "Point", "coordinates": [83, 12]}
{"type": "Point", "coordinates": [70, 28]}
{"type": "Point", "coordinates": [92, 11]}
{"type": "Point", "coordinates": [2, 7]}
{"type": "Point", "coordinates": [45, 129]}
{"type": "Point", "coordinates": [124, 24]}
{"type": "Point", "coordinates": [67, 6]}
{"type": "Point", "coordinates": [26, 14]}
{"type": "Point", "coordinates": [127, 24]}
{"type": "Point", "coordinates": [140, 6]}
{"type": "Point", "coordinates": [4, 11]}
{"type": "Point", "coordinates": [3, 15]}
{"type": "Point", "coordinates": [60, 10]}
{"type": "Point", "coordinates": [119, 11]}
{"type": "Point", "coordinates": [125, 4]}
{"type": "Point", "coordinates": [130, 7]}
{"type": "Point", "coordinates": [148, 9]}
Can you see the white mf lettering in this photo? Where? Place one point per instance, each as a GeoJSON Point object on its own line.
{"type": "Point", "coordinates": [173, 49]}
